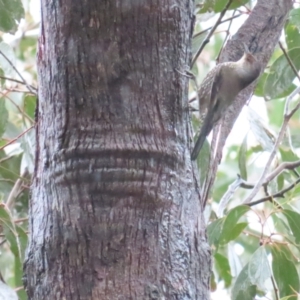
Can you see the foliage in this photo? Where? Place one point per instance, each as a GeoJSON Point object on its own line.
{"type": "Point", "coordinates": [17, 139]}
{"type": "Point", "coordinates": [254, 247]}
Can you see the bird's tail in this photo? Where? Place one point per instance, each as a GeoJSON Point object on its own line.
{"type": "Point", "coordinates": [204, 132]}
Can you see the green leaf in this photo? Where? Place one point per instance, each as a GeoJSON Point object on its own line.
{"type": "Point", "coordinates": [11, 12]}
{"type": "Point", "coordinates": [292, 36]}
{"type": "Point", "coordinates": [30, 105]}
{"type": "Point", "coordinates": [253, 275]}
{"type": "Point", "coordinates": [18, 271]}
{"type": "Point", "coordinates": [220, 4]}
{"type": "Point", "coordinates": [259, 269]}
{"type": "Point", "coordinates": [214, 232]}
{"type": "Point", "coordinates": [223, 268]}
{"type": "Point", "coordinates": [5, 219]}
{"type": "Point", "coordinates": [230, 223]}
{"type": "Point", "coordinates": [3, 116]}
{"type": "Point", "coordinates": [17, 240]}
{"type": "Point", "coordinates": [287, 298]}
{"type": "Point", "coordinates": [280, 223]}
{"type": "Point", "coordinates": [259, 90]}
{"type": "Point", "coordinates": [242, 158]}
{"type": "Point", "coordinates": [12, 239]}
{"type": "Point", "coordinates": [281, 75]}
{"type": "Point", "coordinates": [243, 289]}
{"type": "Point", "coordinates": [276, 111]}
{"type": "Point", "coordinates": [23, 239]}
{"type": "Point", "coordinates": [294, 17]}
{"type": "Point", "coordinates": [235, 232]}
{"type": "Point", "coordinates": [293, 219]}
{"type": "Point", "coordinates": [206, 6]}
{"type": "Point", "coordinates": [284, 270]}
{"type": "Point", "coordinates": [289, 155]}
{"type": "Point", "coordinates": [10, 167]}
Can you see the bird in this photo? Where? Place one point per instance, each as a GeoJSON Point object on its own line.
{"type": "Point", "coordinates": [219, 89]}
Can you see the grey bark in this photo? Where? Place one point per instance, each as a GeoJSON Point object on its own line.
{"type": "Point", "coordinates": [261, 33]}
{"type": "Point", "coordinates": [114, 212]}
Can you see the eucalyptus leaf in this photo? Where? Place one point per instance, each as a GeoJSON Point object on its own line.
{"type": "Point", "coordinates": [223, 268]}
{"type": "Point", "coordinates": [294, 18]}
{"type": "Point", "coordinates": [243, 289]}
{"type": "Point", "coordinates": [285, 272]}
{"type": "Point", "coordinates": [231, 221]}
{"type": "Point", "coordinates": [293, 219]}
{"type": "Point", "coordinates": [281, 75]}
{"type": "Point", "coordinates": [259, 269]}
{"type": "Point", "coordinates": [11, 12]}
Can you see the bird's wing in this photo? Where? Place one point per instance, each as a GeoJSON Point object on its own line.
{"type": "Point", "coordinates": [209, 88]}
{"type": "Point", "coordinates": [212, 108]}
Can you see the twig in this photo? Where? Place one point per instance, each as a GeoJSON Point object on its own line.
{"type": "Point", "coordinates": [289, 60]}
{"type": "Point", "coordinates": [279, 194]}
{"type": "Point", "coordinates": [227, 34]}
{"type": "Point", "coordinates": [20, 75]}
{"type": "Point", "coordinates": [287, 117]}
{"type": "Point", "coordinates": [17, 81]}
{"type": "Point", "coordinates": [15, 139]}
{"type": "Point", "coordinates": [228, 195]}
{"type": "Point", "coordinates": [18, 108]}
{"type": "Point", "coordinates": [13, 193]}
{"type": "Point", "coordinates": [207, 29]}
{"type": "Point", "coordinates": [280, 169]}
{"type": "Point", "coordinates": [275, 288]}
{"type": "Point", "coordinates": [209, 35]}
{"type": "Point", "coordinates": [17, 188]}
{"type": "Point", "coordinates": [21, 220]}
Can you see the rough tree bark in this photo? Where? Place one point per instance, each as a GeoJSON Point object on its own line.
{"type": "Point", "coordinates": [115, 212]}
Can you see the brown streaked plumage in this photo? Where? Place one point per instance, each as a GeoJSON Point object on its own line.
{"type": "Point", "coordinates": [218, 90]}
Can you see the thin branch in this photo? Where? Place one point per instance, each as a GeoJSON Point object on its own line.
{"type": "Point", "coordinates": [227, 34]}
{"type": "Point", "coordinates": [20, 75]}
{"type": "Point", "coordinates": [289, 60]}
{"type": "Point", "coordinates": [281, 168]}
{"type": "Point", "coordinates": [246, 185]}
{"type": "Point", "coordinates": [287, 117]}
{"type": "Point", "coordinates": [15, 139]}
{"type": "Point", "coordinates": [279, 194]}
{"type": "Point", "coordinates": [275, 288]}
{"type": "Point", "coordinates": [239, 182]}
{"type": "Point", "coordinates": [18, 108]}
{"type": "Point", "coordinates": [224, 21]}
{"type": "Point", "coordinates": [209, 35]}
{"type": "Point", "coordinates": [13, 194]}
{"type": "Point", "coordinates": [17, 81]}
{"type": "Point", "coordinates": [21, 220]}
{"type": "Point", "coordinates": [228, 195]}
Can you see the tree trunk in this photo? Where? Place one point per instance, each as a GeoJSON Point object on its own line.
{"type": "Point", "coordinates": [115, 211]}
